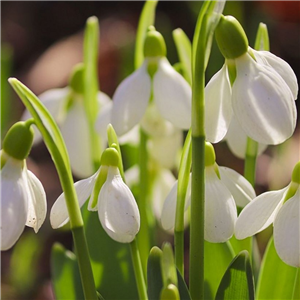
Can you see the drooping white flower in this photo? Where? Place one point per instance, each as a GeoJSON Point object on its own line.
{"type": "Point", "coordinates": [165, 88]}
{"type": "Point", "coordinates": [256, 87]}
{"type": "Point", "coordinates": [23, 201]}
{"type": "Point", "coordinates": [116, 206]}
{"type": "Point", "coordinates": [224, 190]}
{"type": "Point", "coordinates": [282, 208]}
{"type": "Point", "coordinates": [69, 113]}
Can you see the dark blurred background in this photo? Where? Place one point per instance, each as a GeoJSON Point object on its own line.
{"type": "Point", "coordinates": [41, 41]}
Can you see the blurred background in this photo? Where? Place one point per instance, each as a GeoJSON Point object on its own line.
{"type": "Point", "coordinates": [41, 41]}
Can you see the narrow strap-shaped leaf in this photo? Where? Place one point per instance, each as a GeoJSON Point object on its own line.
{"type": "Point", "coordinates": [65, 274]}
{"type": "Point", "coordinates": [182, 287]}
{"type": "Point", "coordinates": [154, 274]}
{"type": "Point", "coordinates": [276, 279]}
{"type": "Point", "coordinates": [218, 256]}
{"type": "Point", "coordinates": [237, 283]}
{"type": "Point", "coordinates": [184, 49]}
{"type": "Point", "coordinates": [146, 19]}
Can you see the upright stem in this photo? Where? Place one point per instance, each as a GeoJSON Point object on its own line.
{"type": "Point", "coordinates": [250, 160]}
{"type": "Point", "coordinates": [143, 235]}
{"type": "Point", "coordinates": [179, 250]}
{"type": "Point", "coordinates": [138, 271]}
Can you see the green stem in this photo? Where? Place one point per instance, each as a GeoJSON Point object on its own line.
{"type": "Point", "coordinates": [179, 250]}
{"type": "Point", "coordinates": [250, 160]}
{"type": "Point", "coordinates": [138, 270]}
{"type": "Point", "coordinates": [143, 235]}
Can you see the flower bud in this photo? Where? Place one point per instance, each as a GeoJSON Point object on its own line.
{"type": "Point", "coordinates": [18, 140]}
{"type": "Point", "coordinates": [231, 38]}
{"type": "Point", "coordinates": [154, 44]}
{"type": "Point", "coordinates": [110, 157]}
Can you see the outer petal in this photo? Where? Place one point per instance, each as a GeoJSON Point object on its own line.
{"type": "Point", "coordinates": [236, 139]}
{"type": "Point", "coordinates": [220, 209]}
{"type": "Point", "coordinates": [13, 203]}
{"type": "Point", "coordinates": [287, 231]}
{"type": "Point", "coordinates": [117, 208]}
{"type": "Point", "coordinates": [76, 135]}
{"type": "Point", "coordinates": [130, 100]}
{"type": "Point", "coordinates": [282, 68]}
{"type": "Point", "coordinates": [54, 101]}
{"type": "Point", "coordinates": [262, 102]}
{"type": "Point", "coordinates": [103, 99]}
{"type": "Point", "coordinates": [218, 109]}
{"type": "Point", "coordinates": [259, 213]}
{"type": "Point", "coordinates": [239, 187]}
{"type": "Point", "coordinates": [59, 213]}
{"type": "Point", "coordinates": [172, 95]}
{"type": "Point", "coordinates": [37, 205]}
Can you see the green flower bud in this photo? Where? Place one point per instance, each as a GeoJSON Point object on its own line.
{"type": "Point", "coordinates": [154, 44]}
{"type": "Point", "coordinates": [231, 38]}
{"type": "Point", "coordinates": [18, 140]}
{"type": "Point", "coordinates": [110, 157]}
{"type": "Point", "coordinates": [296, 173]}
{"type": "Point", "coordinates": [210, 156]}
{"type": "Point", "coordinates": [76, 79]}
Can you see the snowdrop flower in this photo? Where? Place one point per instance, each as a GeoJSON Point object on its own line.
{"type": "Point", "coordinates": [282, 208]}
{"type": "Point", "coordinates": [256, 87]}
{"type": "Point", "coordinates": [110, 196]}
{"type": "Point", "coordinates": [156, 82]}
{"type": "Point", "coordinates": [23, 199]}
{"type": "Point", "coordinates": [224, 190]}
{"type": "Point", "coordinates": [67, 108]}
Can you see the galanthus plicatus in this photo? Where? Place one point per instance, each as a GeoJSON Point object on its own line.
{"type": "Point", "coordinates": [67, 108]}
{"type": "Point", "coordinates": [256, 87]}
{"type": "Point", "coordinates": [110, 196]}
{"type": "Point", "coordinates": [224, 190]}
{"type": "Point", "coordinates": [23, 199]}
{"type": "Point", "coordinates": [155, 82]}
{"type": "Point", "coordinates": [282, 208]}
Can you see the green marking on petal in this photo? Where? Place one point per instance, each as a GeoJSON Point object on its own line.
{"type": "Point", "coordinates": [100, 180]}
{"type": "Point", "coordinates": [296, 173]}
{"type": "Point", "coordinates": [76, 79]}
{"type": "Point", "coordinates": [154, 45]}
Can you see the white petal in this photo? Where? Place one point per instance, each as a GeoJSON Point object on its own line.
{"type": "Point", "coordinates": [37, 205]}
{"type": "Point", "coordinates": [236, 140]}
{"type": "Point", "coordinates": [131, 137]}
{"type": "Point", "coordinates": [162, 185]}
{"type": "Point", "coordinates": [75, 132]}
{"type": "Point", "coordinates": [59, 214]}
{"type": "Point", "coordinates": [239, 187]}
{"type": "Point", "coordinates": [169, 209]}
{"type": "Point", "coordinates": [13, 203]}
{"type": "Point", "coordinates": [54, 101]}
{"type": "Point", "coordinates": [218, 111]}
{"type": "Point", "coordinates": [172, 95]}
{"type": "Point", "coordinates": [130, 100]}
{"type": "Point", "coordinates": [282, 68]}
{"type": "Point", "coordinates": [287, 231]}
{"type": "Point", "coordinates": [259, 213]}
{"type": "Point", "coordinates": [262, 102]}
{"type": "Point", "coordinates": [220, 209]}
{"type": "Point", "coordinates": [103, 99]}
{"type": "Point", "coordinates": [164, 150]}
{"type": "Point", "coordinates": [117, 209]}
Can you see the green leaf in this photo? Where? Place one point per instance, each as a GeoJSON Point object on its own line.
{"type": "Point", "coordinates": [111, 261]}
{"type": "Point", "coordinates": [154, 273]}
{"type": "Point", "coordinates": [276, 279]}
{"type": "Point", "coordinates": [182, 287]}
{"type": "Point", "coordinates": [237, 282]}
{"type": "Point", "coordinates": [44, 122]}
{"type": "Point", "coordinates": [146, 19]}
{"type": "Point", "coordinates": [184, 49]}
{"type": "Point", "coordinates": [217, 258]}
{"type": "Point", "coordinates": [65, 274]}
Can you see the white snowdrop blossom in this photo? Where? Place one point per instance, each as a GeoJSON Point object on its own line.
{"type": "Point", "coordinates": [282, 208]}
{"type": "Point", "coordinates": [224, 190]}
{"type": "Point", "coordinates": [256, 88]}
{"type": "Point", "coordinates": [23, 200]}
{"type": "Point", "coordinates": [115, 203]}
{"type": "Point", "coordinates": [156, 82]}
{"type": "Point", "coordinates": [67, 108]}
